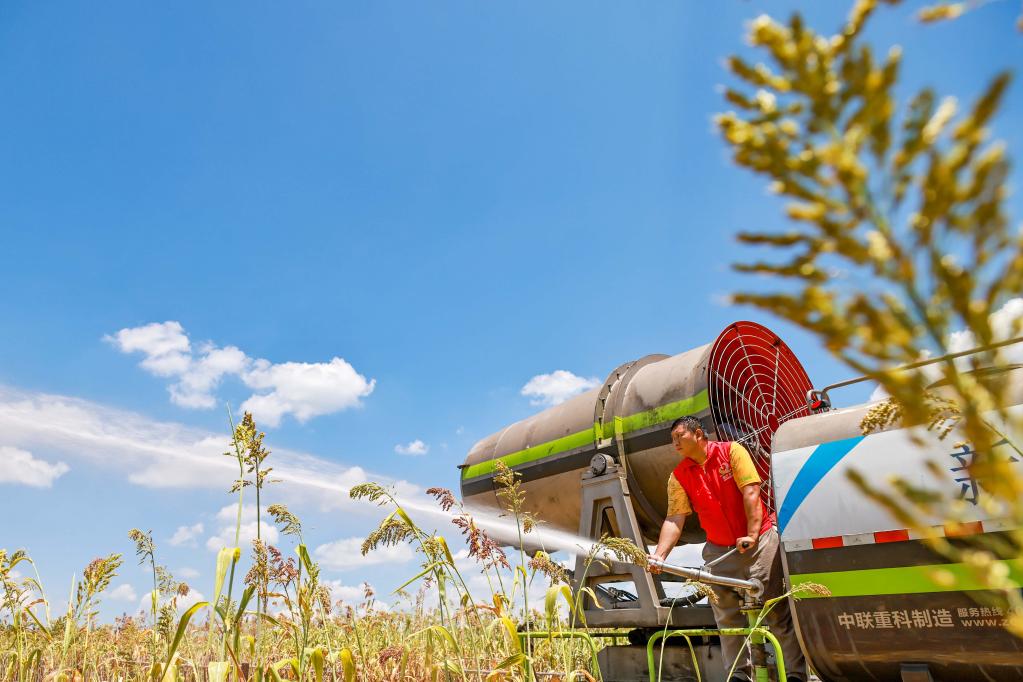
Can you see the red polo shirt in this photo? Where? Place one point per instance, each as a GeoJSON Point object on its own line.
{"type": "Point", "coordinates": [714, 491]}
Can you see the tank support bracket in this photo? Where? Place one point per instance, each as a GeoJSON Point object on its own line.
{"type": "Point", "coordinates": [607, 508]}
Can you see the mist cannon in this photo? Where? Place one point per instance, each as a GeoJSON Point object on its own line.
{"type": "Point", "coordinates": [742, 386]}
{"type": "Point", "coordinates": [599, 463]}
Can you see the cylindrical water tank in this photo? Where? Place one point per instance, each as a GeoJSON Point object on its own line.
{"type": "Point", "coordinates": [742, 387]}
{"type": "Point", "coordinates": [896, 604]}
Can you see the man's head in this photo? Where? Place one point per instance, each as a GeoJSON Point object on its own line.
{"type": "Point", "coordinates": [688, 437]}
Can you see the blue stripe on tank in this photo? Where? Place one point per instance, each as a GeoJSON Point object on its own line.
{"type": "Point", "coordinates": [822, 460]}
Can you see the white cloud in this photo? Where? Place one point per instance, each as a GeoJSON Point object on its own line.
{"type": "Point", "coordinates": [156, 454]}
{"type": "Point", "coordinates": [196, 384]}
{"type": "Point", "coordinates": [145, 606]}
{"type": "Point", "coordinates": [1005, 324]}
{"type": "Point", "coordinates": [149, 453]}
{"type": "Point", "coordinates": [416, 447]}
{"type": "Point", "coordinates": [193, 597]}
{"type": "Point", "coordinates": [186, 535]}
{"type": "Point", "coordinates": [123, 592]}
{"type": "Point", "coordinates": [346, 553]}
{"type": "Point", "coordinates": [20, 467]}
{"type": "Point", "coordinates": [227, 518]}
{"type": "Point", "coordinates": [347, 593]}
{"type": "Point", "coordinates": [353, 594]}
{"type": "Point", "coordinates": [165, 346]}
{"type": "Point", "coordinates": [556, 387]}
{"type": "Point", "coordinates": [225, 537]}
{"type": "Point", "coordinates": [304, 390]}
{"type": "Point", "coordinates": [187, 573]}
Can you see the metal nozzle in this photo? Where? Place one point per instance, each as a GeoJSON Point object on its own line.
{"type": "Point", "coordinates": [754, 587]}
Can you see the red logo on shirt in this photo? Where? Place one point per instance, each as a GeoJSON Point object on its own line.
{"type": "Point", "coordinates": [725, 472]}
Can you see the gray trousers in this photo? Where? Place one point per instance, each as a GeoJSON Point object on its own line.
{"type": "Point", "coordinates": [764, 563]}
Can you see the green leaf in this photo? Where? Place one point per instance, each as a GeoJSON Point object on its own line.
{"type": "Point", "coordinates": [516, 659]}
{"type": "Point", "coordinates": [182, 627]}
{"type": "Point", "coordinates": [519, 570]}
{"type": "Point", "coordinates": [303, 555]}
{"type": "Point", "coordinates": [452, 665]}
{"type": "Point", "coordinates": [443, 632]}
{"type": "Point", "coordinates": [347, 664]}
{"type": "Point", "coordinates": [405, 517]}
{"type": "Point", "coordinates": [579, 608]}
{"type": "Point", "coordinates": [499, 603]}
{"type": "Point", "coordinates": [283, 662]}
{"type": "Point", "coordinates": [418, 576]}
{"type": "Point", "coordinates": [45, 630]}
{"type": "Point", "coordinates": [315, 655]}
{"type": "Point", "coordinates": [246, 598]}
{"type": "Point", "coordinates": [265, 616]}
{"type": "Point", "coordinates": [550, 602]}
{"type": "Point", "coordinates": [566, 592]}
{"type": "Point", "coordinates": [513, 632]}
{"type": "Point", "coordinates": [36, 656]}
{"type": "Point", "coordinates": [169, 672]}
{"type": "Point", "coordinates": [224, 561]}
{"type": "Point", "coordinates": [447, 552]}
{"type": "Point", "coordinates": [17, 558]}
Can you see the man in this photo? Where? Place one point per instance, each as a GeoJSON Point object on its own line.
{"type": "Point", "coordinates": [719, 481]}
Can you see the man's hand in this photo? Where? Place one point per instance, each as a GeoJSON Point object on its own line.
{"type": "Point", "coordinates": [754, 509]}
{"type": "Point", "coordinates": [651, 567]}
{"type": "Point", "coordinates": [746, 543]}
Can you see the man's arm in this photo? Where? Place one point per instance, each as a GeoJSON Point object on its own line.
{"type": "Point", "coordinates": [754, 517]}
{"type": "Point", "coordinates": [671, 531]}
{"type": "Point", "coordinates": [745, 475]}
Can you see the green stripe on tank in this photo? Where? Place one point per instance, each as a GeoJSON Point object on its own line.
{"type": "Point", "coordinates": [641, 420]}
{"type": "Point", "coordinates": [666, 413]}
{"type": "Point", "coordinates": [902, 580]}
{"type": "Point", "coordinates": [554, 447]}
{"type": "Point", "coordinates": [603, 431]}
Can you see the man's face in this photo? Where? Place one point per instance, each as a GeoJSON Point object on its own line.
{"type": "Point", "coordinates": [685, 441]}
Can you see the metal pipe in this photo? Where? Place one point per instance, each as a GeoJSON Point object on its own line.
{"type": "Point", "coordinates": [819, 399]}
{"type": "Point", "coordinates": [715, 562]}
{"type": "Point", "coordinates": [754, 586]}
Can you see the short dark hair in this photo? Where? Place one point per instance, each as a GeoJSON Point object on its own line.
{"type": "Point", "coordinates": [690, 422]}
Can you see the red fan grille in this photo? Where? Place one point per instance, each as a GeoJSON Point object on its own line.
{"type": "Point", "coordinates": [755, 385]}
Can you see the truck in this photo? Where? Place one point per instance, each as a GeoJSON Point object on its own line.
{"type": "Point", "coordinates": [894, 608]}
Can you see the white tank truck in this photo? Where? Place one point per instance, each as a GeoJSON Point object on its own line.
{"type": "Point", "coordinates": [599, 463]}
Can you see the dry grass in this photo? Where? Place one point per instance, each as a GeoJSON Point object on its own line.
{"type": "Point", "coordinates": [279, 621]}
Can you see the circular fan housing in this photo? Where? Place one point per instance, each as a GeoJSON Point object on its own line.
{"type": "Point", "coordinates": [755, 384]}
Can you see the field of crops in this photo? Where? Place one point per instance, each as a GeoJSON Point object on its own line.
{"type": "Point", "coordinates": [271, 617]}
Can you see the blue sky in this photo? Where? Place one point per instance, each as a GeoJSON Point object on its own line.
{"type": "Point", "coordinates": [449, 198]}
